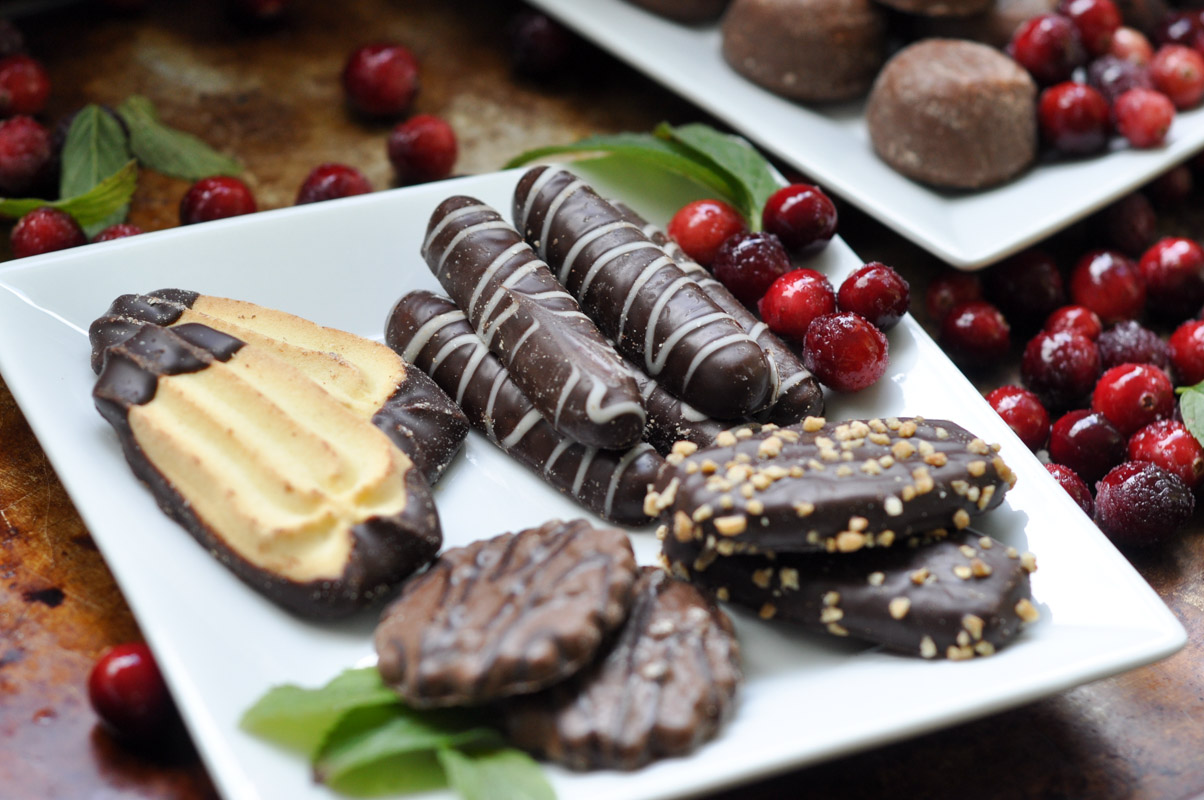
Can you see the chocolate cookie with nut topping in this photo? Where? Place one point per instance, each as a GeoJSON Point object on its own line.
{"type": "Point", "coordinates": [957, 596]}
{"type": "Point", "coordinates": [822, 486]}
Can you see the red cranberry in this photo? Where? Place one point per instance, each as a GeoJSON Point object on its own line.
{"type": "Point", "coordinates": [1074, 118]}
{"type": "Point", "coordinates": [331, 181]}
{"type": "Point", "coordinates": [422, 149]}
{"type": "Point", "coordinates": [975, 334]}
{"type": "Point", "coordinates": [1096, 20]}
{"type": "Point", "coordinates": [45, 230]}
{"type": "Point", "coordinates": [1049, 47]}
{"type": "Point", "coordinates": [24, 86]}
{"type": "Point", "coordinates": [213, 198]}
{"type": "Point", "coordinates": [950, 288]}
{"type": "Point", "coordinates": [1169, 444]}
{"type": "Point", "coordinates": [1179, 27]}
{"type": "Point", "coordinates": [748, 264]}
{"type": "Point", "coordinates": [540, 47]}
{"type": "Point", "coordinates": [1144, 116]}
{"type": "Point", "coordinates": [24, 154]}
{"type": "Point", "coordinates": [701, 226]}
{"type": "Point", "coordinates": [845, 352]}
{"type": "Point", "coordinates": [1077, 319]}
{"type": "Point", "coordinates": [1109, 284]}
{"type": "Point", "coordinates": [1087, 443]}
{"type": "Point", "coordinates": [1074, 486]}
{"type": "Point", "coordinates": [1026, 287]}
{"type": "Point", "coordinates": [794, 300]}
{"type": "Point", "coordinates": [381, 80]}
{"type": "Point", "coordinates": [1173, 270]}
{"type": "Point", "coordinates": [876, 292]}
{"type": "Point", "coordinates": [801, 215]}
{"type": "Point", "coordinates": [1171, 189]}
{"type": "Point", "coordinates": [1139, 504]}
{"type": "Point", "coordinates": [1132, 396]}
{"type": "Point", "coordinates": [1178, 72]}
{"type": "Point", "coordinates": [1129, 223]}
{"type": "Point", "coordinates": [128, 693]}
{"type": "Point", "coordinates": [1114, 76]}
{"type": "Point", "coordinates": [1129, 342]}
{"type": "Point", "coordinates": [1131, 45]}
{"type": "Point", "coordinates": [121, 230]}
{"type": "Point", "coordinates": [1186, 350]}
{"type": "Point", "coordinates": [1060, 367]}
{"type": "Point", "coordinates": [1024, 414]}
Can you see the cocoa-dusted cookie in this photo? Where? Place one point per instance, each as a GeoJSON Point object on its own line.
{"type": "Point", "coordinates": [365, 376]}
{"type": "Point", "coordinates": [954, 114]}
{"type": "Point", "coordinates": [994, 26]}
{"type": "Point", "coordinates": [666, 686]}
{"type": "Point", "coordinates": [828, 486]}
{"type": "Point", "coordinates": [958, 596]}
{"type": "Point", "coordinates": [434, 334]}
{"type": "Point", "coordinates": [656, 315]}
{"type": "Point", "coordinates": [553, 352]}
{"type": "Point", "coordinates": [808, 50]}
{"type": "Point", "coordinates": [508, 615]}
{"type": "Point", "coordinates": [306, 501]}
{"type": "Point", "coordinates": [690, 11]}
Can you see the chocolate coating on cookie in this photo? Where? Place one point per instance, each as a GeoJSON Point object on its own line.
{"type": "Point", "coordinates": [956, 597]}
{"type": "Point", "coordinates": [824, 486]}
{"type": "Point", "coordinates": [665, 687]}
{"type": "Point", "coordinates": [434, 334]}
{"type": "Point", "coordinates": [508, 615]}
{"type": "Point", "coordinates": [671, 420]}
{"type": "Point", "coordinates": [656, 315]}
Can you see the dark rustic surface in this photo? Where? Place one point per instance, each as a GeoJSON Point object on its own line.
{"type": "Point", "coordinates": [272, 98]}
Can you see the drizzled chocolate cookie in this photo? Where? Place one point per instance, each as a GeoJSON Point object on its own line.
{"type": "Point", "coordinates": [671, 420]}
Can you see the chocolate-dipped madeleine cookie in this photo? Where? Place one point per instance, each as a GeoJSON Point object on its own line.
{"type": "Point", "coordinates": [553, 352]}
{"type": "Point", "coordinates": [507, 615]}
{"type": "Point", "coordinates": [366, 376]}
{"type": "Point", "coordinates": [825, 486]}
{"type": "Point", "coordinates": [666, 685]}
{"type": "Point", "coordinates": [431, 332]}
{"type": "Point", "coordinates": [306, 501]}
{"type": "Point", "coordinates": [958, 596]}
{"type": "Point", "coordinates": [656, 315]}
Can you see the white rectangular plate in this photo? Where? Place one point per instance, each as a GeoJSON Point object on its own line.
{"type": "Point", "coordinates": [343, 264]}
{"type": "Point", "coordinates": [830, 144]}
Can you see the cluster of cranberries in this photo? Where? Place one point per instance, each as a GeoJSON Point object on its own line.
{"type": "Point", "coordinates": [1102, 77]}
{"type": "Point", "coordinates": [841, 333]}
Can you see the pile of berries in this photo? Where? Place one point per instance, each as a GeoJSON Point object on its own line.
{"type": "Point", "coordinates": [840, 332]}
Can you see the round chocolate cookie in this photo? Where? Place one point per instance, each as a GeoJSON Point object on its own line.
{"type": "Point", "coordinates": [684, 10]}
{"type": "Point", "coordinates": [507, 615]}
{"type": "Point", "coordinates": [665, 687]}
{"type": "Point", "coordinates": [809, 50]}
{"type": "Point", "coordinates": [994, 26]}
{"type": "Point", "coordinates": [939, 8]}
{"type": "Point", "coordinates": [954, 114]}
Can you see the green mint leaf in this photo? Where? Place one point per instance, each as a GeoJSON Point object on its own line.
{"type": "Point", "coordinates": [95, 148]}
{"type": "Point", "coordinates": [1191, 404]}
{"type": "Point", "coordinates": [91, 208]}
{"type": "Point", "coordinates": [499, 774]}
{"type": "Point", "coordinates": [167, 150]}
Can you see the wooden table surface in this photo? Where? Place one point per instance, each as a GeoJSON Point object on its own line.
{"type": "Point", "coordinates": [272, 98]}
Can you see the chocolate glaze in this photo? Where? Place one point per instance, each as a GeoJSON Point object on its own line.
{"type": "Point", "coordinates": [386, 550]}
{"type": "Point", "coordinates": [655, 314]}
{"type": "Point", "coordinates": [671, 420]}
{"type": "Point", "coordinates": [434, 334]}
{"type": "Point", "coordinates": [958, 596]}
{"type": "Point", "coordinates": [553, 352]}
{"type": "Point", "coordinates": [666, 685]}
{"type": "Point", "coordinates": [507, 615]}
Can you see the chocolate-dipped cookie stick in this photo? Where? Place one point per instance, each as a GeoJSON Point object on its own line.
{"type": "Point", "coordinates": [553, 352]}
{"type": "Point", "coordinates": [431, 332]}
{"type": "Point", "coordinates": [671, 420]}
{"type": "Point", "coordinates": [654, 313]}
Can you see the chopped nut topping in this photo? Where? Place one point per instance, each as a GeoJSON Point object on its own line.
{"type": "Point", "coordinates": [908, 493]}
{"type": "Point", "coordinates": [920, 575]}
{"type": "Point", "coordinates": [775, 472]}
{"type": "Point", "coordinates": [877, 426]}
{"type": "Point", "coordinates": [886, 461]}
{"type": "Point", "coordinates": [903, 450]}
{"type": "Point", "coordinates": [1004, 471]}
{"type": "Point", "coordinates": [1027, 611]}
{"type": "Point", "coordinates": [851, 444]}
{"type": "Point", "coordinates": [742, 458]}
{"type": "Point", "coordinates": [650, 503]}
{"type": "Point", "coordinates": [972, 494]}
{"type": "Point", "coordinates": [812, 537]}
{"type": "Point", "coordinates": [959, 487]}
{"type": "Point", "coordinates": [963, 572]}
{"type": "Point", "coordinates": [831, 598]}
{"type": "Point", "coordinates": [739, 472]}
{"type": "Point", "coordinates": [963, 639]}
{"type": "Point", "coordinates": [858, 523]}
{"type": "Point", "coordinates": [1012, 552]}
{"type": "Point", "coordinates": [871, 467]}
{"type": "Point", "coordinates": [850, 541]}
{"type": "Point", "coordinates": [985, 542]}
{"type": "Point", "coordinates": [813, 424]}
{"type": "Point", "coordinates": [691, 467]}
{"type": "Point", "coordinates": [706, 557]}
{"type": "Point", "coordinates": [984, 498]}
{"type": "Point", "coordinates": [762, 577]}
{"type": "Point", "coordinates": [732, 525]}
{"type": "Point", "coordinates": [723, 594]}
{"type": "Point", "coordinates": [829, 455]}
{"type": "Point", "coordinates": [859, 429]}
{"type": "Point", "coordinates": [980, 568]}
{"type": "Point", "coordinates": [886, 538]}
{"type": "Point", "coordinates": [927, 647]}
{"type": "Point", "coordinates": [668, 496]}
{"type": "Point", "coordinates": [744, 433]}
{"type": "Point", "coordinates": [796, 471]}
{"type": "Point", "coordinates": [683, 527]}
{"type": "Point", "coordinates": [907, 429]}
{"type": "Point", "coordinates": [755, 507]}
{"type": "Point", "coordinates": [968, 551]}
{"type": "Point", "coordinates": [1028, 562]}
{"type": "Point", "coordinates": [978, 447]}
{"type": "Point", "coordinates": [961, 518]}
{"type": "Point", "coordinates": [679, 571]}
{"type": "Point", "coordinates": [846, 456]}
{"type": "Point", "coordinates": [788, 577]}
{"type": "Point", "coordinates": [685, 448]}
{"type": "Point", "coordinates": [747, 490]}
{"type": "Point", "coordinates": [726, 502]}
{"type": "Point", "coordinates": [880, 439]}
{"type": "Point", "coordinates": [899, 607]}
{"type": "Point", "coordinates": [761, 481]}
{"type": "Point", "coordinates": [837, 630]}
{"type": "Point", "coordinates": [925, 448]}
{"type": "Point", "coordinates": [725, 547]}
{"type": "Point", "coordinates": [815, 466]}
{"type": "Point", "coordinates": [803, 508]}
{"type": "Point", "coordinates": [940, 432]}
{"type": "Point", "coordinates": [661, 532]}
{"type": "Point", "coordinates": [725, 439]}
{"type": "Point", "coordinates": [892, 505]}
{"type": "Point", "coordinates": [674, 459]}
{"type": "Point", "coordinates": [973, 625]}
{"type": "Point", "coordinates": [767, 611]}
{"type": "Point", "coordinates": [977, 468]}
{"type": "Point", "coordinates": [831, 614]}
{"type": "Point", "coordinates": [893, 423]}
{"type": "Point", "coordinates": [984, 648]}
{"type": "Point", "coordinates": [703, 513]}
{"type": "Point", "coordinates": [709, 467]}
{"type": "Point", "coordinates": [844, 471]}
{"type": "Point", "coordinates": [789, 436]}
{"type": "Point", "coordinates": [876, 578]}
{"type": "Point", "coordinates": [959, 653]}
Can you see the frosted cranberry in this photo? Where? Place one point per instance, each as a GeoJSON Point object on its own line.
{"type": "Point", "coordinates": [1086, 442]}
{"type": "Point", "coordinates": [1169, 444]}
{"type": "Point", "coordinates": [422, 149]}
{"type": "Point", "coordinates": [975, 334]}
{"type": "Point", "coordinates": [1077, 319]}
{"type": "Point", "coordinates": [1186, 349]}
{"type": "Point", "coordinates": [381, 80]}
{"type": "Point", "coordinates": [1073, 118]}
{"type": "Point", "coordinates": [748, 264]}
{"type": "Point", "coordinates": [330, 182]}
{"type": "Point", "coordinates": [540, 47]}
{"type": "Point", "coordinates": [1178, 72]}
{"type": "Point", "coordinates": [216, 197]}
{"type": "Point", "coordinates": [876, 292]}
{"type": "Point", "coordinates": [1026, 287]}
{"type": "Point", "coordinates": [128, 693]}
{"type": "Point", "coordinates": [1131, 45]}
{"type": "Point", "coordinates": [121, 230]}
{"type": "Point", "coordinates": [45, 230]}
{"type": "Point", "coordinates": [701, 226]}
{"type": "Point", "coordinates": [1060, 367]}
{"type": "Point", "coordinates": [1139, 504]}
{"type": "Point", "coordinates": [1096, 20]}
{"type": "Point", "coordinates": [1024, 414]}
{"type": "Point", "coordinates": [1108, 283]}
{"type": "Point", "coordinates": [24, 86]}
{"type": "Point", "coordinates": [1173, 270]}
{"type": "Point", "coordinates": [845, 352]}
{"type": "Point", "coordinates": [794, 300]}
{"type": "Point", "coordinates": [1049, 47]}
{"type": "Point", "coordinates": [1069, 480]}
{"type": "Point", "coordinates": [1130, 223]}
{"type": "Point", "coordinates": [1144, 116]}
{"type": "Point", "coordinates": [1171, 189]}
{"type": "Point", "coordinates": [1129, 342]}
{"type": "Point", "coordinates": [802, 216]}
{"type": "Point", "coordinates": [1132, 396]}
{"type": "Point", "coordinates": [950, 288]}
{"type": "Point", "coordinates": [1114, 76]}
{"type": "Point", "coordinates": [24, 154]}
{"type": "Point", "coordinates": [1179, 27]}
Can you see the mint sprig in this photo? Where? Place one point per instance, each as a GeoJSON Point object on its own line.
{"type": "Point", "coordinates": [167, 150]}
{"type": "Point", "coordinates": [90, 209]}
{"type": "Point", "coordinates": [1191, 405]}
{"type": "Point", "coordinates": [94, 150]}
